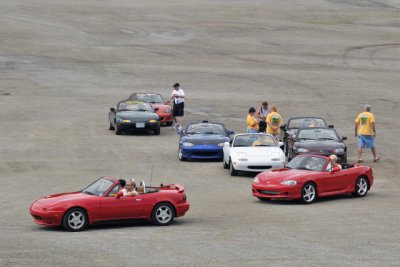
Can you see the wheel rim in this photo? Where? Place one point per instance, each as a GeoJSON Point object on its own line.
{"type": "Point", "coordinates": [76, 220]}
{"type": "Point", "coordinates": [308, 193]}
{"type": "Point", "coordinates": [163, 214]}
{"type": "Point", "coordinates": [362, 186]}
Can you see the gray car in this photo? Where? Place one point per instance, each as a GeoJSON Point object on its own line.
{"type": "Point", "coordinates": [133, 116]}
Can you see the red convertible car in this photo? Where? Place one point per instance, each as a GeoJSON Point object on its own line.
{"type": "Point", "coordinates": [308, 177]}
{"type": "Point", "coordinates": [101, 201]}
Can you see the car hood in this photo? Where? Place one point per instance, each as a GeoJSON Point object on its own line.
{"type": "Point", "coordinates": [160, 106]}
{"type": "Point", "coordinates": [132, 115]}
{"type": "Point", "coordinates": [205, 139]}
{"type": "Point", "coordinates": [318, 145]}
{"type": "Point", "coordinates": [280, 175]}
{"type": "Point", "coordinates": [51, 200]}
{"type": "Point", "coordinates": [258, 152]}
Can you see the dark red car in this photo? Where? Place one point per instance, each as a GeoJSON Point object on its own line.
{"type": "Point", "coordinates": [101, 201]}
{"type": "Point", "coordinates": [308, 177]}
{"type": "Point", "coordinates": [161, 107]}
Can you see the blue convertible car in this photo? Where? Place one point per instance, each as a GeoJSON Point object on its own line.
{"type": "Point", "coordinates": [203, 140]}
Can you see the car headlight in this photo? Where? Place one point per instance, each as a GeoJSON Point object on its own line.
{"type": "Point", "coordinates": [187, 144]}
{"type": "Point", "coordinates": [338, 151]}
{"type": "Point", "coordinates": [167, 110]}
{"type": "Point", "coordinates": [256, 180]}
{"type": "Point", "coordinates": [119, 119]}
{"type": "Point", "coordinates": [221, 144]}
{"type": "Point", "coordinates": [152, 121]}
{"type": "Point", "coordinates": [302, 150]}
{"type": "Point", "coordinates": [289, 182]}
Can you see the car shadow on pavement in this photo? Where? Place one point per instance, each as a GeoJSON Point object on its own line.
{"type": "Point", "coordinates": [337, 198]}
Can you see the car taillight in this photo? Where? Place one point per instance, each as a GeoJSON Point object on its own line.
{"type": "Point", "coordinates": [184, 197]}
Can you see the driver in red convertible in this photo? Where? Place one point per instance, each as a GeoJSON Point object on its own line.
{"type": "Point", "coordinates": [129, 190]}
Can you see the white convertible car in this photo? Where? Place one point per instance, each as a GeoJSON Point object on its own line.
{"type": "Point", "coordinates": [253, 152]}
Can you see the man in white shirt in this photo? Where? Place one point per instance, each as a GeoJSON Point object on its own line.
{"type": "Point", "coordinates": [129, 189]}
{"type": "Point", "coordinates": [178, 98]}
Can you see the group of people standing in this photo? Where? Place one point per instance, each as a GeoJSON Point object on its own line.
{"type": "Point", "coordinates": [267, 120]}
{"type": "Point", "coordinates": [264, 120]}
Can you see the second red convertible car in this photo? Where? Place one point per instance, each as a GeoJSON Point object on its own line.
{"type": "Point", "coordinates": [101, 201]}
{"type": "Point", "coordinates": [308, 177]}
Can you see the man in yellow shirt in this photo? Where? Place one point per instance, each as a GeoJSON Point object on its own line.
{"type": "Point", "coordinates": [252, 122]}
{"type": "Point", "coordinates": [274, 121]}
{"type": "Point", "coordinates": [364, 129]}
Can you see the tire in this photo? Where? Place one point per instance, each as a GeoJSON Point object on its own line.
{"type": "Point", "coordinates": [157, 130]}
{"type": "Point", "coordinates": [169, 123]}
{"type": "Point", "coordinates": [226, 165]}
{"type": "Point", "coordinates": [232, 169]}
{"type": "Point", "coordinates": [111, 128]}
{"type": "Point", "coordinates": [309, 193]}
{"type": "Point", "coordinates": [163, 214]}
{"type": "Point", "coordinates": [180, 155]}
{"type": "Point", "coordinates": [117, 130]}
{"type": "Point", "coordinates": [264, 199]}
{"type": "Point", "coordinates": [75, 220]}
{"type": "Point", "coordinates": [361, 188]}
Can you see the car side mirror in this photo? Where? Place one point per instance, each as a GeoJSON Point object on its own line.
{"type": "Point", "coordinates": [119, 194]}
{"type": "Point", "coordinates": [344, 138]}
{"type": "Point", "coordinates": [283, 126]}
{"type": "Point", "coordinates": [231, 132]}
{"type": "Point", "coordinates": [331, 126]}
{"type": "Point", "coordinates": [167, 102]}
{"type": "Point", "coordinates": [335, 169]}
{"type": "Point", "coordinates": [112, 109]}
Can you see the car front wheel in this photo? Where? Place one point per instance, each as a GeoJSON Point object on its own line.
{"type": "Point", "coordinates": [75, 220]}
{"type": "Point", "coordinates": [361, 187]}
{"type": "Point", "coordinates": [226, 165]}
{"type": "Point", "coordinates": [163, 214]}
{"type": "Point", "coordinates": [232, 169]}
{"type": "Point", "coordinates": [309, 193]}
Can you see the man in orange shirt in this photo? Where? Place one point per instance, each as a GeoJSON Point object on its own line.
{"type": "Point", "coordinates": [274, 121]}
{"type": "Point", "coordinates": [364, 129]}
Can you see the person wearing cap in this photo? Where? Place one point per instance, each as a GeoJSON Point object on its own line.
{"type": "Point", "coordinates": [274, 121]}
{"type": "Point", "coordinates": [334, 162]}
{"type": "Point", "coordinates": [364, 129]}
{"type": "Point", "coordinates": [178, 98]}
{"type": "Point", "coordinates": [262, 113]}
{"type": "Point", "coordinates": [129, 189]}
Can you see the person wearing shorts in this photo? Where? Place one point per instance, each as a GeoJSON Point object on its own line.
{"type": "Point", "coordinates": [274, 121]}
{"type": "Point", "coordinates": [364, 130]}
{"type": "Point", "coordinates": [178, 98]}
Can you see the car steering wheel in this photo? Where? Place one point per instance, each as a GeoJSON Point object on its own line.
{"type": "Point", "coordinates": [143, 185]}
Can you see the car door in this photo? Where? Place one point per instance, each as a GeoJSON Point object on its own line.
{"type": "Point", "coordinates": [334, 180]}
{"type": "Point", "coordinates": [112, 208]}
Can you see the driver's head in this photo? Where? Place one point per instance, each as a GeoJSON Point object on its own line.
{"type": "Point", "coordinates": [130, 184]}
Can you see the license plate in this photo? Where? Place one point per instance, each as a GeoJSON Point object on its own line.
{"type": "Point", "coordinates": [140, 125]}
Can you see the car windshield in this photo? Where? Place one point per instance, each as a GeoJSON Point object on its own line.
{"type": "Point", "coordinates": [206, 128]}
{"type": "Point", "coordinates": [307, 163]}
{"type": "Point", "coordinates": [306, 123]}
{"type": "Point", "coordinates": [248, 140]}
{"type": "Point", "coordinates": [317, 134]}
{"type": "Point", "coordinates": [99, 187]}
{"type": "Point", "coordinates": [149, 98]}
{"type": "Point", "coordinates": [134, 106]}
